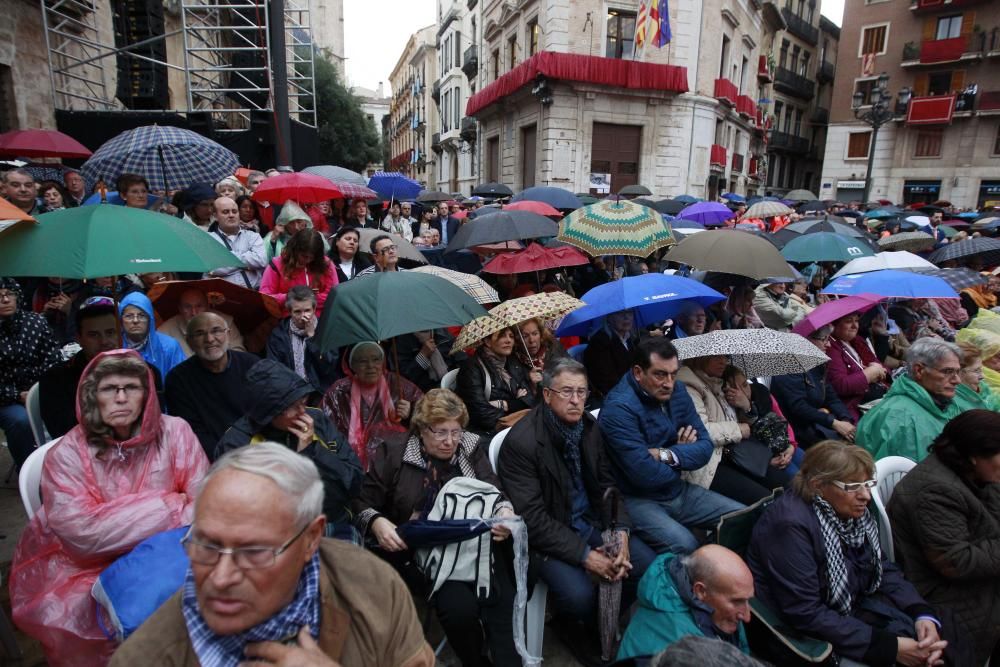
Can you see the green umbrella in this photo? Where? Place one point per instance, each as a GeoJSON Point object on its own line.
{"type": "Point", "coordinates": [616, 228]}
{"type": "Point", "coordinates": [108, 240]}
{"type": "Point", "coordinates": [387, 305]}
{"type": "Point", "coordinates": [825, 247]}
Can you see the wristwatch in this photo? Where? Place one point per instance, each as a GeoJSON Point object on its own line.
{"type": "Point", "coordinates": [667, 456]}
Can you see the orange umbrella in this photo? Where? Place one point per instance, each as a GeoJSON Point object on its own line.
{"type": "Point", "coordinates": [242, 174]}
{"type": "Point", "coordinates": [11, 215]}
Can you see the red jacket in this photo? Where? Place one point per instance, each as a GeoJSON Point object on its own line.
{"type": "Point", "coordinates": [845, 375]}
{"type": "Point", "coordinates": [274, 283]}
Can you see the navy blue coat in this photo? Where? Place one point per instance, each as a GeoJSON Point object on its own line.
{"type": "Point", "coordinates": [634, 422]}
{"type": "Point", "coordinates": [788, 561]}
{"type": "Point", "coordinates": [801, 396]}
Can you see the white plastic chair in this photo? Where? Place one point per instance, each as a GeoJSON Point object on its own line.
{"type": "Point", "coordinates": [30, 479]}
{"type": "Point", "coordinates": [535, 612]}
{"type": "Point", "coordinates": [33, 406]}
{"type": "Point", "coordinates": [450, 379]}
{"type": "Point", "coordinates": [888, 472]}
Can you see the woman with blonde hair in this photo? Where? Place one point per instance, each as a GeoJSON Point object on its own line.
{"type": "Point", "coordinates": [972, 373]}
{"type": "Point", "coordinates": [536, 347]}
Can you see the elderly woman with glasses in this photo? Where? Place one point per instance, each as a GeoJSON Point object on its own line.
{"type": "Point", "coordinates": [126, 472]}
{"type": "Point", "coordinates": [402, 484]}
{"type": "Point", "coordinates": [817, 562]}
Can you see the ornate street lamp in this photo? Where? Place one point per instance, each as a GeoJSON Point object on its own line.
{"type": "Point", "coordinates": [879, 111]}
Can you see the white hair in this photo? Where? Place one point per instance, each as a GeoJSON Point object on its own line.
{"type": "Point", "coordinates": [296, 475]}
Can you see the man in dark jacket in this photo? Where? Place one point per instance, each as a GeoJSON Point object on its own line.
{"type": "Point", "coordinates": [424, 357]}
{"type": "Point", "coordinates": [291, 343]}
{"type": "Point", "coordinates": [609, 352]}
{"type": "Point", "coordinates": [277, 412]}
{"type": "Point", "coordinates": [555, 471]}
{"type": "Point", "coordinates": [654, 433]}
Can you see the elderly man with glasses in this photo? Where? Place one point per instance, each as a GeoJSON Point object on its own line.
{"type": "Point", "coordinates": [265, 587]}
{"type": "Point", "coordinates": [919, 403]}
{"type": "Point", "coordinates": [207, 389]}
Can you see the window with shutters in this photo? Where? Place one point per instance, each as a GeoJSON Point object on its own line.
{"type": "Point", "coordinates": [783, 56]}
{"type": "Point", "coordinates": [928, 143]}
{"type": "Point", "coordinates": [496, 64]}
{"type": "Point", "coordinates": [512, 52]}
{"type": "Point", "coordinates": [857, 145]}
{"type": "Point", "coordinates": [533, 34]}
{"type": "Point", "coordinates": [949, 27]}
{"type": "Point", "coordinates": [939, 83]}
{"type": "Point", "coordinates": [873, 39]}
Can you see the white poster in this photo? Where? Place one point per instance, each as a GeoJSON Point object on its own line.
{"type": "Point", "coordinates": [601, 183]}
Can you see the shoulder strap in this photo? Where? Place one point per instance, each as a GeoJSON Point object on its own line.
{"type": "Point", "coordinates": [487, 380]}
{"type": "Point", "coordinates": [229, 247]}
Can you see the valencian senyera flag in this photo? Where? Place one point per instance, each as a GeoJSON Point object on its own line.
{"type": "Point", "coordinates": [652, 24]}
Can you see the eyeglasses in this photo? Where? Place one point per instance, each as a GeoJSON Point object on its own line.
{"type": "Point", "coordinates": [214, 332]}
{"type": "Point", "coordinates": [111, 391]}
{"type": "Point", "coordinates": [947, 372]}
{"type": "Point", "coordinates": [567, 393]}
{"type": "Point", "coordinates": [854, 487]}
{"type": "Point", "coordinates": [245, 558]}
{"type": "Point", "coordinates": [136, 317]}
{"type": "Point", "coordinates": [7, 295]}
{"type": "Point", "coordinates": [388, 248]}
{"type": "Point", "coordinates": [445, 436]}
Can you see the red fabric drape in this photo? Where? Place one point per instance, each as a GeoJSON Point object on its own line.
{"type": "Point", "coordinates": [930, 110]}
{"type": "Point", "coordinates": [942, 50]}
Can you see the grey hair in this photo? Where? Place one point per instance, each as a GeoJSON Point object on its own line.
{"type": "Point", "coordinates": [19, 172]}
{"type": "Point", "coordinates": [560, 366]}
{"type": "Point", "coordinates": [703, 651]}
{"type": "Point", "coordinates": [296, 475]}
{"type": "Point", "coordinates": [930, 351]}
{"type": "Point", "coordinates": [823, 332]}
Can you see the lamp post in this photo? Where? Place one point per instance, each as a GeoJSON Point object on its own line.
{"type": "Point", "coordinates": [877, 113]}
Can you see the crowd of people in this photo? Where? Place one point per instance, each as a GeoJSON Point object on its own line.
{"type": "Point", "coordinates": [298, 468]}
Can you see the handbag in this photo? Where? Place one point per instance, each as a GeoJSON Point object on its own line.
{"type": "Point", "coordinates": [771, 430]}
{"type": "Point", "coordinates": [750, 455]}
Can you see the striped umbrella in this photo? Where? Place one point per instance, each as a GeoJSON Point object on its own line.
{"type": "Point", "coordinates": [171, 158]}
{"type": "Point", "coordinates": [474, 286]}
{"type": "Point", "coordinates": [616, 228]}
{"type": "Point", "coordinates": [767, 209]}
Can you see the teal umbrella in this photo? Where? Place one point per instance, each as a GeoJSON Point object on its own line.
{"type": "Point", "coordinates": [102, 240]}
{"type": "Point", "coordinates": [616, 228]}
{"type": "Point", "coordinates": [825, 247]}
{"type": "Point", "coordinates": [386, 305]}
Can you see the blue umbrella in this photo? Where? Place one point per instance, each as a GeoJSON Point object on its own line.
{"type": "Point", "coordinates": [687, 199]}
{"type": "Point", "coordinates": [653, 296]}
{"type": "Point", "coordinates": [732, 196]}
{"type": "Point", "coordinates": [170, 158]}
{"type": "Point", "coordinates": [393, 185]}
{"type": "Point", "coordinates": [891, 284]}
{"type": "Point", "coordinates": [708, 213]}
{"type": "Point", "coordinates": [554, 197]}
{"type": "Point", "coordinates": [968, 215]}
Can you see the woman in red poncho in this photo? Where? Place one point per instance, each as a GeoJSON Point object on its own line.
{"type": "Point", "coordinates": [126, 472]}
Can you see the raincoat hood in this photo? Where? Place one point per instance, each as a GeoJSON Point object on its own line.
{"type": "Point", "coordinates": [270, 388]}
{"type": "Point", "coordinates": [292, 211]}
{"type": "Point", "coordinates": [149, 430]}
{"type": "Point", "coordinates": [15, 287]}
{"type": "Point", "coordinates": [139, 300]}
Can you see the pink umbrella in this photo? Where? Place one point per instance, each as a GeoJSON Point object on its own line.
{"type": "Point", "coordinates": [539, 207]}
{"type": "Point", "coordinates": [536, 258]}
{"type": "Point", "coordinates": [831, 311]}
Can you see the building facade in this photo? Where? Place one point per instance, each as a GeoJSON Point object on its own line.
{"type": "Point", "coordinates": [328, 30]}
{"type": "Point", "coordinates": [412, 112]}
{"type": "Point", "coordinates": [375, 104]}
{"type": "Point", "coordinates": [944, 144]}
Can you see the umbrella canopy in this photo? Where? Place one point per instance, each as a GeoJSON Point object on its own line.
{"type": "Point", "coordinates": [11, 215]}
{"type": "Point", "coordinates": [788, 232]}
{"type": "Point", "coordinates": [885, 260]}
{"type": "Point", "coordinates": [910, 241]}
{"type": "Point", "coordinates": [767, 209]}
{"type": "Point", "coordinates": [731, 252]}
{"type": "Point", "coordinates": [433, 197]}
{"type": "Point", "coordinates": [919, 220]}
{"type": "Point", "coordinates": [536, 258]}
{"type": "Point", "coordinates": [474, 286]}
{"type": "Point", "coordinates": [393, 185]}
{"type": "Point", "coordinates": [654, 297]}
{"type": "Point", "coordinates": [539, 207]}
{"type": "Point", "coordinates": [349, 189]}
{"type": "Point", "coordinates": [831, 311]}
{"type": "Point", "coordinates": [986, 250]}
{"type": "Point", "coordinates": [635, 191]}
{"type": "Point", "coordinates": [511, 313]}
{"type": "Point", "coordinates": [986, 224]}
{"type": "Point", "coordinates": [502, 226]}
{"type": "Point", "coordinates": [756, 352]}
{"type": "Point", "coordinates": [687, 199]}
{"type": "Point", "coordinates": [733, 197]}
{"type": "Point", "coordinates": [814, 205]}
{"type": "Point", "coordinates": [41, 143]}
{"type": "Point", "coordinates": [554, 197]}
{"type": "Point", "coordinates": [801, 195]}
{"type": "Point", "coordinates": [493, 190]}
{"type": "Point", "coordinates": [708, 213]}
{"type": "Point", "coordinates": [824, 247]}
{"type": "Point", "coordinates": [170, 158]}
{"type": "Point", "coordinates": [882, 213]}
{"type": "Point", "coordinates": [616, 228]}
{"type": "Point", "coordinates": [98, 241]}
{"type": "Point", "coordinates": [670, 206]}
{"type": "Point", "coordinates": [248, 308]}
{"type": "Point", "coordinates": [387, 305]}
{"type": "Point", "coordinates": [409, 255]}
{"type": "Point", "coordinates": [893, 284]}
{"type": "Point", "coordinates": [303, 188]}
{"type": "Point", "coordinates": [959, 278]}
{"type": "Point", "coordinates": [337, 174]}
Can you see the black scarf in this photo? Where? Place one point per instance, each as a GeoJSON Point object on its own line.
{"type": "Point", "coordinates": [572, 436]}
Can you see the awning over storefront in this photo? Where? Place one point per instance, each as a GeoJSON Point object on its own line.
{"type": "Point", "coordinates": [935, 110]}
{"type": "Point", "coordinates": [585, 69]}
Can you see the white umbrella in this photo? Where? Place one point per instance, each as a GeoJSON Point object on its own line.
{"type": "Point", "coordinates": [885, 260]}
{"type": "Point", "coordinates": [756, 352]}
{"type": "Point", "coordinates": [921, 220]}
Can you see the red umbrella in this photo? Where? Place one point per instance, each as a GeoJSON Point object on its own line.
{"type": "Point", "coordinates": [460, 215]}
{"type": "Point", "coordinates": [306, 189]}
{"type": "Point", "coordinates": [536, 258]}
{"type": "Point", "coordinates": [41, 143]}
{"type": "Point", "coordinates": [539, 207]}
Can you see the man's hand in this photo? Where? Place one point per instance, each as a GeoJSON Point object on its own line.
{"type": "Point", "coordinates": [874, 372]}
{"type": "Point", "coordinates": [403, 409]}
{"type": "Point", "coordinates": [600, 565]}
{"type": "Point", "coordinates": [306, 653]}
{"type": "Point", "coordinates": [736, 398]}
{"type": "Point", "coordinates": [622, 563]}
{"type": "Point", "coordinates": [59, 302]}
{"type": "Point", "coordinates": [385, 532]}
{"type": "Point", "coordinates": [303, 429]}
{"type": "Point", "coordinates": [913, 653]}
{"type": "Point", "coordinates": [744, 430]}
{"type": "Point", "coordinates": [929, 639]}
{"type": "Point", "coordinates": [845, 429]}
{"type": "Point", "coordinates": [686, 435]}
{"type": "Point", "coordinates": [501, 533]}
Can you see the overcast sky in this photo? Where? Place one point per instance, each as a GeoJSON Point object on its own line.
{"type": "Point", "coordinates": [376, 32]}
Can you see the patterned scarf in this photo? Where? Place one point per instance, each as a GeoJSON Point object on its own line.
{"type": "Point", "coordinates": [299, 338]}
{"type": "Point", "coordinates": [572, 436]}
{"type": "Point", "coordinates": [838, 533]}
{"type": "Point", "coordinates": [496, 363]}
{"type": "Point", "coordinates": [227, 650]}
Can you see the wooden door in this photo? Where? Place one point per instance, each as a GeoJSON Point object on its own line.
{"type": "Point", "coordinates": [615, 150]}
{"type": "Point", "coordinates": [529, 147]}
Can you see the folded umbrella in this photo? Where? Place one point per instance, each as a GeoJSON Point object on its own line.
{"type": "Point", "coordinates": [893, 284]}
{"type": "Point", "coordinates": [986, 250]}
{"type": "Point", "coordinates": [910, 241]}
{"type": "Point", "coordinates": [554, 197]}
{"type": "Point", "coordinates": [421, 533]}
{"type": "Point", "coordinates": [831, 311]}
{"type": "Point", "coordinates": [653, 297]}
{"type": "Point", "coordinates": [885, 260]}
{"type": "Point", "coordinates": [472, 285]}
{"type": "Point", "coordinates": [731, 252]}
{"type": "Point", "coordinates": [824, 247]}
{"type": "Point", "coordinates": [502, 226]}
{"type": "Point", "coordinates": [536, 258]}
{"type": "Point", "coordinates": [616, 228]}
{"type": "Point", "coordinates": [708, 213]}
{"type": "Point", "coordinates": [756, 352]}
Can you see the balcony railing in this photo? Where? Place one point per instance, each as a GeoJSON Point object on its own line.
{"type": "Point", "coordinates": [765, 70]}
{"type": "Point", "coordinates": [790, 83]}
{"type": "Point", "coordinates": [800, 27]}
{"type": "Point", "coordinates": [718, 156]}
{"type": "Point", "coordinates": [470, 61]}
{"type": "Point", "coordinates": [745, 106]}
{"type": "Point", "coordinates": [468, 129]}
{"type": "Point", "coordinates": [784, 141]}
{"type": "Point", "coordinates": [820, 116]}
{"type": "Point", "coordinates": [726, 91]}
{"type": "Point", "coordinates": [737, 163]}
{"type": "Point", "coordinates": [825, 72]}
{"type": "Point", "coordinates": [941, 5]}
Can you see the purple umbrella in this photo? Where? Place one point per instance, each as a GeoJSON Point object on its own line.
{"type": "Point", "coordinates": [708, 213]}
{"type": "Point", "coordinates": [831, 311]}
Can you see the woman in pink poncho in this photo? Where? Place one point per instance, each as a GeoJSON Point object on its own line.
{"type": "Point", "coordinates": [123, 474]}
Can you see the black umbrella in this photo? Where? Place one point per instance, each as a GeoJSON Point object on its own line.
{"type": "Point", "coordinates": [984, 249]}
{"type": "Point", "coordinates": [432, 196]}
{"type": "Point", "coordinates": [815, 205]}
{"type": "Point", "coordinates": [502, 226]}
{"type": "Point", "coordinates": [635, 191]}
{"type": "Point", "coordinates": [959, 278]}
{"type": "Point", "coordinates": [795, 229]}
{"type": "Point", "coordinates": [494, 190]}
{"type": "Point", "coordinates": [643, 201]}
{"type": "Point", "coordinates": [670, 206]}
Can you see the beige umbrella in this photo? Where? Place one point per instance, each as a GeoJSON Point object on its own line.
{"type": "Point", "coordinates": [910, 241]}
{"type": "Point", "coordinates": [767, 209]}
{"type": "Point", "coordinates": [544, 306]}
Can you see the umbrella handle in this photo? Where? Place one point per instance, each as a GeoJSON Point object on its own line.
{"type": "Point", "coordinates": [523, 342]}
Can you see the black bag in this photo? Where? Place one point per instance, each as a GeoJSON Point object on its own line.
{"type": "Point", "coordinates": [750, 455]}
{"type": "Point", "coordinates": [772, 430]}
